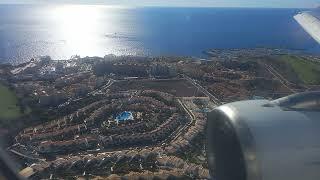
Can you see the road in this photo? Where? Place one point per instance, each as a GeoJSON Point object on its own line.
{"type": "Point", "coordinates": [203, 90]}
{"type": "Point", "coordinates": [106, 86]}
{"type": "Point", "coordinates": [177, 133]}
{"type": "Point", "coordinates": [25, 156]}
{"type": "Point", "coordinates": [279, 77]}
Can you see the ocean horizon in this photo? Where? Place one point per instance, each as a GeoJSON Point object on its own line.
{"type": "Point", "coordinates": [61, 31]}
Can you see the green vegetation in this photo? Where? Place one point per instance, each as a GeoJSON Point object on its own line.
{"type": "Point", "coordinates": [8, 104]}
{"type": "Point", "coordinates": [306, 70]}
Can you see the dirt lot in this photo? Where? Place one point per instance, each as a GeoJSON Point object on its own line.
{"type": "Point", "coordinates": [177, 87]}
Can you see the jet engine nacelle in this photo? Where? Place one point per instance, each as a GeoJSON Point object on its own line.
{"type": "Point", "coordinates": [266, 140]}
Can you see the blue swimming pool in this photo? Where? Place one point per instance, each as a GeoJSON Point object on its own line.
{"type": "Point", "coordinates": [124, 116]}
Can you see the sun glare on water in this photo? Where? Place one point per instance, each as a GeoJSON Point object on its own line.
{"type": "Point", "coordinates": [82, 29]}
{"type": "Point", "coordinates": [79, 26]}
{"type": "Point", "coordinates": [93, 30]}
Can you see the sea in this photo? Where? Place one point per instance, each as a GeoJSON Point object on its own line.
{"type": "Point", "coordinates": [62, 31]}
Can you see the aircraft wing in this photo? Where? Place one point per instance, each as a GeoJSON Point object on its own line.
{"type": "Point", "coordinates": [310, 21]}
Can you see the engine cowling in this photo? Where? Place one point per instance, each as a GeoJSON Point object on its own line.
{"type": "Point", "coordinates": [266, 140]}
